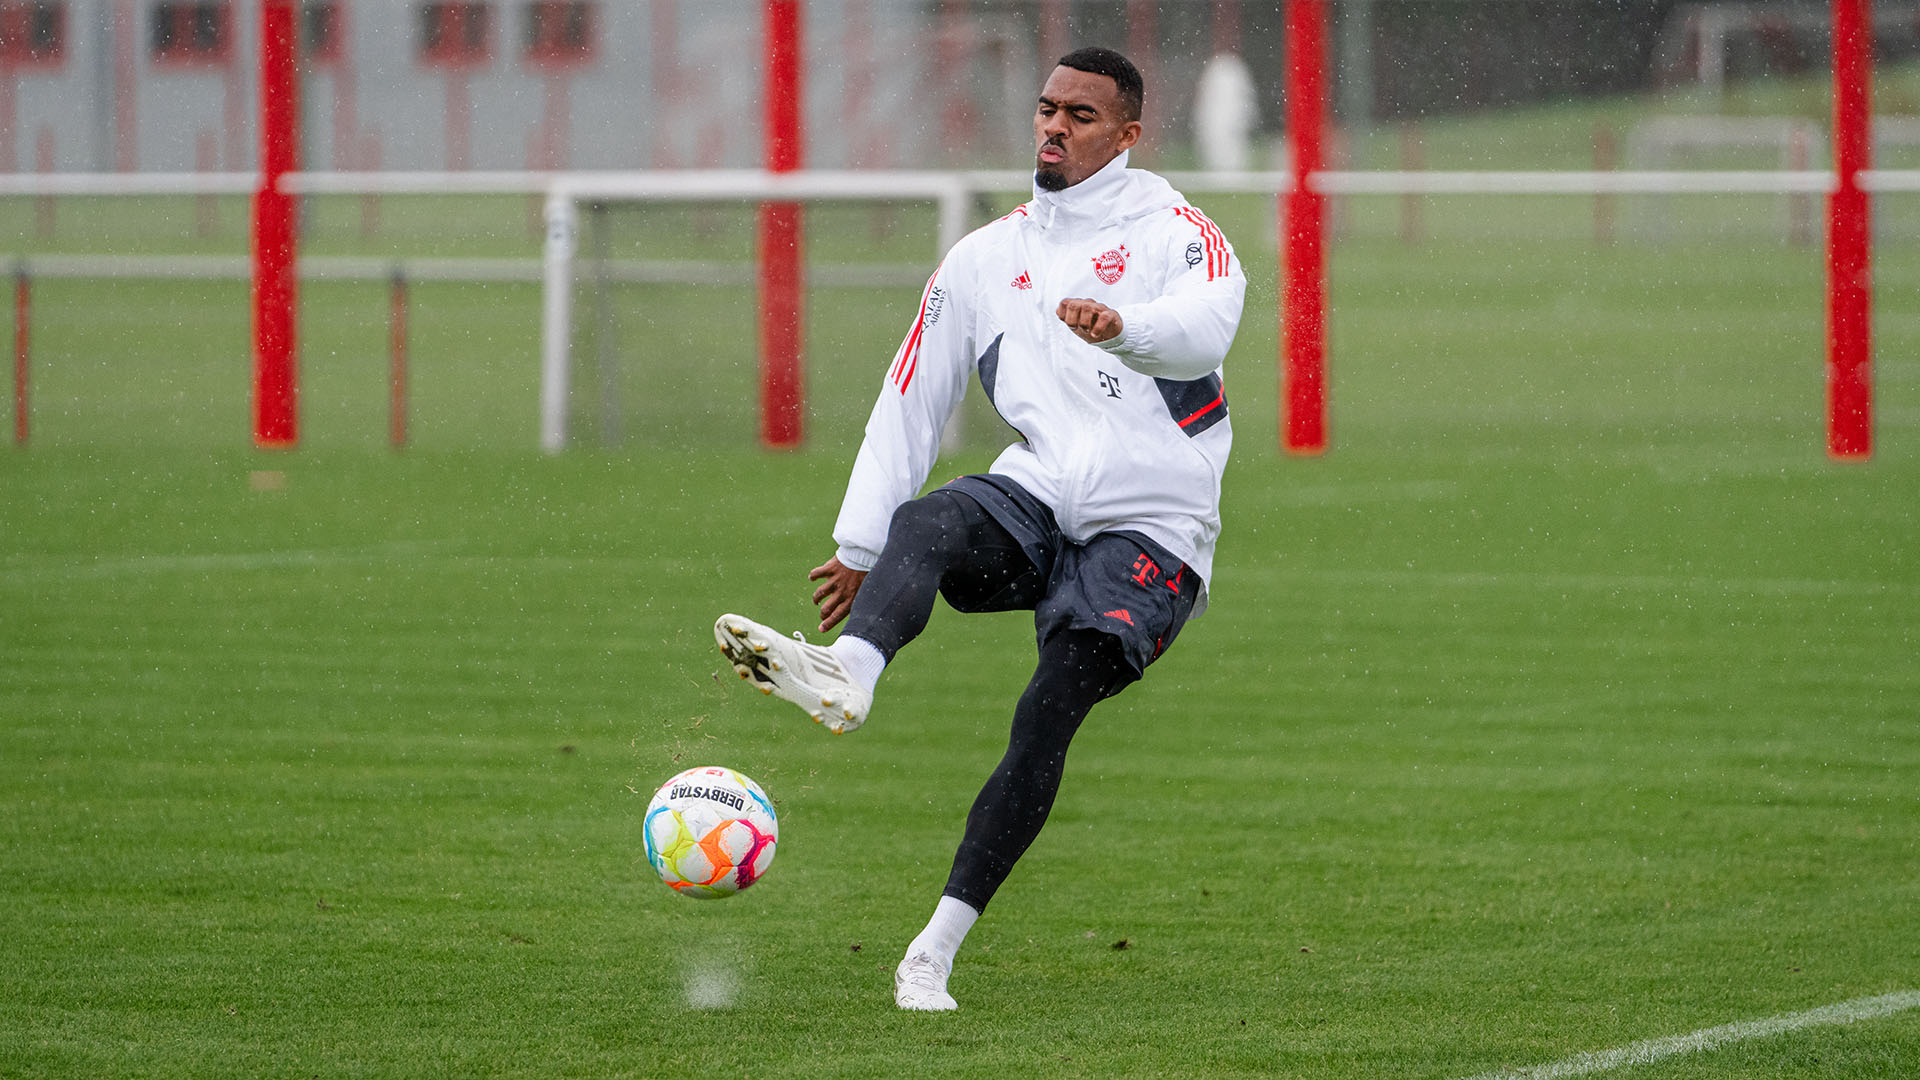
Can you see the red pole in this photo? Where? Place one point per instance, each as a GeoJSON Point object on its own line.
{"type": "Point", "coordinates": [1849, 269]}
{"type": "Point", "coordinates": [275, 386]}
{"type": "Point", "coordinates": [397, 360]}
{"type": "Point", "coordinates": [782, 395]}
{"type": "Point", "coordinates": [1303, 299]}
{"type": "Point", "coordinates": [22, 340]}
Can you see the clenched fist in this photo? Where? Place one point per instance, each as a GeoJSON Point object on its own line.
{"type": "Point", "coordinates": [1090, 320]}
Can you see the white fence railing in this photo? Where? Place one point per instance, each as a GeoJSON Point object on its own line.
{"type": "Point", "coordinates": [952, 192]}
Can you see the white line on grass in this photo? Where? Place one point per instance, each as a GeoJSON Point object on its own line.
{"type": "Point", "coordinates": [1640, 1053]}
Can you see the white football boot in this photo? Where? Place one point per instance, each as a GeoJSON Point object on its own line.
{"type": "Point", "coordinates": [920, 984]}
{"type": "Point", "coordinates": [810, 676]}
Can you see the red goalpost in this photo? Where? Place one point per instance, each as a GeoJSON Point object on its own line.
{"type": "Point", "coordinates": [275, 242]}
{"type": "Point", "coordinates": [1303, 296]}
{"type": "Point", "coordinates": [1303, 236]}
{"type": "Point", "coordinates": [1850, 239]}
{"type": "Point", "coordinates": [1303, 424]}
{"type": "Point", "coordinates": [782, 285]}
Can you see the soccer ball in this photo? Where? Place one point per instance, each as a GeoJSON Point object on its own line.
{"type": "Point", "coordinates": [710, 832]}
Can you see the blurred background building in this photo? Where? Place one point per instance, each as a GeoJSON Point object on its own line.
{"type": "Point", "coordinates": [167, 85]}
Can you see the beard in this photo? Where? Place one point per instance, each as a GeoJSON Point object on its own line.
{"type": "Point", "coordinates": [1050, 176]}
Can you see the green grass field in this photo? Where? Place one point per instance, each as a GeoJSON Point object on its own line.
{"type": "Point", "coordinates": [1568, 702]}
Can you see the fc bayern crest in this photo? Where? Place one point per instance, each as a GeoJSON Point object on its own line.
{"type": "Point", "coordinates": [1109, 265]}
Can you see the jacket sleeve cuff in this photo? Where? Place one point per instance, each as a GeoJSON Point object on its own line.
{"type": "Point", "coordinates": [854, 558]}
{"type": "Point", "coordinates": [1131, 336]}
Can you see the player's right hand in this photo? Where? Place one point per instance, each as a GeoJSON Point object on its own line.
{"type": "Point", "coordinates": [1090, 320]}
{"type": "Point", "coordinates": [838, 584]}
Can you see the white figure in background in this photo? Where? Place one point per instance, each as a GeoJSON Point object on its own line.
{"type": "Point", "coordinates": [1226, 110]}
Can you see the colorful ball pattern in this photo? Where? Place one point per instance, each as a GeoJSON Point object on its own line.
{"type": "Point", "coordinates": [710, 832]}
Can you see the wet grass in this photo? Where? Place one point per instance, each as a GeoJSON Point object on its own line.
{"type": "Point", "coordinates": [334, 762]}
{"type": "Point", "coordinates": [1567, 702]}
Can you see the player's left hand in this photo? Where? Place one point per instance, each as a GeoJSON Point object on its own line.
{"type": "Point", "coordinates": [1090, 320]}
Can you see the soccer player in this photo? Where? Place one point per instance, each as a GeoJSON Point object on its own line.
{"type": "Point", "coordinates": [1096, 316]}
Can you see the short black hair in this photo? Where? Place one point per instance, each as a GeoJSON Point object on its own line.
{"type": "Point", "coordinates": [1133, 90]}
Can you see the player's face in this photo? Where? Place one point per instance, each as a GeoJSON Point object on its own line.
{"type": "Point", "coordinates": [1078, 127]}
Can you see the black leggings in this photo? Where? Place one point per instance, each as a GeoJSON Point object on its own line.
{"type": "Point", "coordinates": [1077, 670]}
{"type": "Point", "coordinates": [946, 543]}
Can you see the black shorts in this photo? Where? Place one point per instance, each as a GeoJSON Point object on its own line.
{"type": "Point", "coordinates": [1119, 583]}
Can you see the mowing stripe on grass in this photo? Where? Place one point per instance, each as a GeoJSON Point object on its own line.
{"type": "Point", "coordinates": [99, 566]}
{"type": "Point", "coordinates": [1640, 1053]}
{"type": "Point", "coordinates": [1609, 583]}
{"type": "Point", "coordinates": [431, 554]}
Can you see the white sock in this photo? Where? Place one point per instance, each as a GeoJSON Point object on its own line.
{"type": "Point", "coordinates": [945, 931]}
{"type": "Point", "coordinates": [861, 659]}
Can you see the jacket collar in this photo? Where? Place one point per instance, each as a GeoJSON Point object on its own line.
{"type": "Point", "coordinates": [1087, 203]}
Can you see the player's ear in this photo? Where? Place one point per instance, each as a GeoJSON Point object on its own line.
{"type": "Point", "coordinates": [1129, 134]}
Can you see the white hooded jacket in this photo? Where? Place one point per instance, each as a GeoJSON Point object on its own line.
{"type": "Point", "coordinates": [1128, 434]}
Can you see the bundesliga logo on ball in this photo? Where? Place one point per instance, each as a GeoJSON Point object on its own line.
{"type": "Point", "coordinates": [710, 832]}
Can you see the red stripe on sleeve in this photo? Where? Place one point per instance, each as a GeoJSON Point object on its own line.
{"type": "Point", "coordinates": [906, 377]}
{"type": "Point", "coordinates": [908, 350]}
{"type": "Point", "coordinates": [1210, 234]}
{"type": "Point", "coordinates": [902, 371]}
{"type": "Point", "coordinates": [1215, 241]}
{"type": "Point", "coordinates": [1219, 241]}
